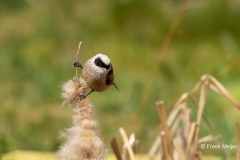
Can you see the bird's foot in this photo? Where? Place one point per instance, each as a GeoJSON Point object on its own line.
{"type": "Point", "coordinates": [82, 96]}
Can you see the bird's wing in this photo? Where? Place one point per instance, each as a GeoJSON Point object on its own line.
{"type": "Point", "coordinates": [110, 77]}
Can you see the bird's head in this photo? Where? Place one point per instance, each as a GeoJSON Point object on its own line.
{"type": "Point", "coordinates": [103, 62]}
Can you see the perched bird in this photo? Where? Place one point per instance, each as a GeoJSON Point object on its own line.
{"type": "Point", "coordinates": [98, 73]}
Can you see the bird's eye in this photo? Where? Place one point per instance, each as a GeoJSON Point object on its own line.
{"type": "Point", "coordinates": [98, 62]}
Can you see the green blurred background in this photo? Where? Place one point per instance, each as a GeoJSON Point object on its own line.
{"type": "Point", "coordinates": [38, 41]}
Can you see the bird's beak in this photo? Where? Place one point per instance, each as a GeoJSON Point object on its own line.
{"type": "Point", "coordinates": [114, 84]}
{"type": "Point", "coordinates": [77, 64]}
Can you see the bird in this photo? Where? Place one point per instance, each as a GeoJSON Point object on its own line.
{"type": "Point", "coordinates": [98, 73]}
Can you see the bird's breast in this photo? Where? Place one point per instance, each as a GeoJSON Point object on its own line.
{"type": "Point", "coordinates": [95, 78]}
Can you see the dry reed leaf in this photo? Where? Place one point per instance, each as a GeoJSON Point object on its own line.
{"type": "Point", "coordinates": [77, 56]}
{"type": "Point", "coordinates": [154, 148]}
{"type": "Point", "coordinates": [163, 118]}
{"type": "Point", "coordinates": [132, 139]}
{"type": "Point", "coordinates": [219, 140]}
{"type": "Point", "coordinates": [198, 155]}
{"type": "Point", "coordinates": [175, 125]}
{"type": "Point", "coordinates": [238, 138]}
{"type": "Point", "coordinates": [115, 148]}
{"type": "Point", "coordinates": [174, 113]}
{"type": "Point", "coordinates": [126, 143]}
{"type": "Point", "coordinates": [195, 139]}
{"type": "Point", "coordinates": [186, 123]}
{"type": "Point", "coordinates": [180, 100]}
{"type": "Point", "coordinates": [208, 138]}
{"type": "Point", "coordinates": [224, 92]}
{"type": "Point", "coordinates": [164, 145]}
{"type": "Point", "coordinates": [179, 149]}
{"type": "Point", "coordinates": [203, 116]}
{"type": "Point", "coordinates": [190, 136]}
{"type": "Point", "coordinates": [201, 104]}
{"type": "Point", "coordinates": [199, 83]}
{"type": "Point", "coordinates": [202, 100]}
{"type": "Point", "coordinates": [133, 142]}
{"type": "Point", "coordinates": [214, 88]}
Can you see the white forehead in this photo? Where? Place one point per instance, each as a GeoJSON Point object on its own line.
{"type": "Point", "coordinates": [104, 58]}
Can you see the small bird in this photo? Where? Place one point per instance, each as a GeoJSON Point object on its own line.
{"type": "Point", "coordinates": [98, 73]}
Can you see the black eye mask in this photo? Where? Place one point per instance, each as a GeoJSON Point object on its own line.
{"type": "Point", "coordinates": [99, 63]}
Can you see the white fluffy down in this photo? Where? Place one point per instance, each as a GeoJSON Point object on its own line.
{"type": "Point", "coordinates": [82, 140]}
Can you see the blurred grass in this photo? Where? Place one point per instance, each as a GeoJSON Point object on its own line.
{"type": "Point", "coordinates": [29, 155]}
{"type": "Point", "coordinates": [38, 40]}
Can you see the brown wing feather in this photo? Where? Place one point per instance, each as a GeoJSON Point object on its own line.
{"type": "Point", "coordinates": [110, 77]}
